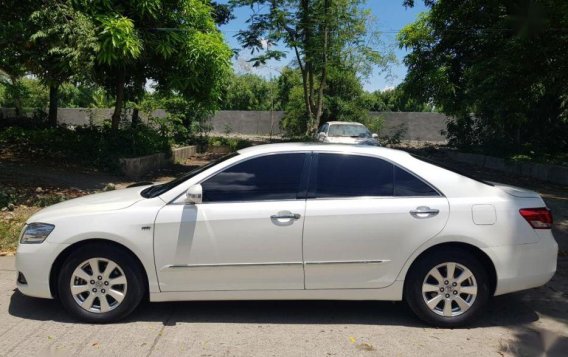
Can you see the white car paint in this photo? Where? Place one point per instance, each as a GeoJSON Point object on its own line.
{"type": "Point", "coordinates": [357, 249]}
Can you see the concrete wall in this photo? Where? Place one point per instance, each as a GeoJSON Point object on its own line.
{"type": "Point", "coordinates": [417, 126]}
{"type": "Point", "coordinates": [247, 122]}
{"type": "Point", "coordinates": [83, 116]}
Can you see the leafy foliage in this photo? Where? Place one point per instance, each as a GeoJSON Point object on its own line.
{"type": "Point", "coordinates": [395, 100]}
{"type": "Point", "coordinates": [498, 67]}
{"type": "Point", "coordinates": [322, 34]}
{"type": "Point", "coordinates": [175, 44]}
{"type": "Point", "coordinates": [250, 92]}
{"type": "Point", "coordinates": [100, 146]}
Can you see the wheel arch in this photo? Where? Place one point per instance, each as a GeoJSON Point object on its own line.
{"type": "Point", "coordinates": [58, 263]}
{"type": "Point", "coordinates": [472, 249]}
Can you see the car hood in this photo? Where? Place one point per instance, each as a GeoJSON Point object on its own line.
{"type": "Point", "coordinates": [350, 140]}
{"type": "Point", "coordinates": [106, 201]}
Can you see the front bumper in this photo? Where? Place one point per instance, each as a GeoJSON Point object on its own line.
{"type": "Point", "coordinates": [34, 262]}
{"type": "Point", "coordinates": [524, 266]}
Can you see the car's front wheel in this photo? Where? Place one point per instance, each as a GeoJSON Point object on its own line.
{"type": "Point", "coordinates": [99, 283]}
{"type": "Point", "coordinates": [448, 288]}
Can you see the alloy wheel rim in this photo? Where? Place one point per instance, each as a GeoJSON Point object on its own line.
{"type": "Point", "coordinates": [98, 285]}
{"type": "Point", "coordinates": [449, 289]}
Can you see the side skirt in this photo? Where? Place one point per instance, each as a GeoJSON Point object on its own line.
{"type": "Point", "coordinates": [389, 293]}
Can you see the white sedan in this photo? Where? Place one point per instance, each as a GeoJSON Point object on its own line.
{"type": "Point", "coordinates": [342, 132]}
{"type": "Point", "coordinates": [293, 221]}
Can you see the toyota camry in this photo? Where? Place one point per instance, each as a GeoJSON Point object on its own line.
{"type": "Point", "coordinates": [293, 222]}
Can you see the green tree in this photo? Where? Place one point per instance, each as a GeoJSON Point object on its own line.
{"type": "Point", "coordinates": [176, 44]}
{"type": "Point", "coordinates": [62, 46]}
{"type": "Point", "coordinates": [250, 92]}
{"type": "Point", "coordinates": [321, 33]}
{"type": "Point", "coordinates": [32, 94]}
{"type": "Point", "coordinates": [498, 67]}
{"type": "Point", "coordinates": [14, 39]}
{"type": "Point", "coordinates": [395, 100]}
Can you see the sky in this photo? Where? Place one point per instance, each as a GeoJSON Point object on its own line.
{"type": "Point", "coordinates": [390, 17]}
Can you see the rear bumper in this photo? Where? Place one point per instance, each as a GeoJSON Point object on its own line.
{"type": "Point", "coordinates": [34, 262]}
{"type": "Point", "coordinates": [524, 266]}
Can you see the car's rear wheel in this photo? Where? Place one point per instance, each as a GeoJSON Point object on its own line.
{"type": "Point", "coordinates": [448, 288]}
{"type": "Point", "coordinates": [99, 283]}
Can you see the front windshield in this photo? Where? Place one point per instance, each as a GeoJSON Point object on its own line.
{"type": "Point", "coordinates": [353, 131]}
{"type": "Point", "coordinates": [159, 189]}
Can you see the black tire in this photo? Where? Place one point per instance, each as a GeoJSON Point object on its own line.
{"type": "Point", "coordinates": [134, 289]}
{"type": "Point", "coordinates": [418, 273]}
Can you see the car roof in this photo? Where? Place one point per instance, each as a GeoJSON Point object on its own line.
{"type": "Point", "coordinates": [343, 123]}
{"type": "Point", "coordinates": [323, 147]}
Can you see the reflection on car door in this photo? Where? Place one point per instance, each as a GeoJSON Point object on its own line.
{"type": "Point", "coordinates": [246, 235]}
{"type": "Point", "coordinates": [364, 217]}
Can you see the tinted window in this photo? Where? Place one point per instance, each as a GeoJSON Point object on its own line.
{"type": "Point", "coordinates": [350, 176]}
{"type": "Point", "coordinates": [272, 177]}
{"type": "Point", "coordinates": [407, 184]}
{"type": "Point", "coordinates": [159, 189]}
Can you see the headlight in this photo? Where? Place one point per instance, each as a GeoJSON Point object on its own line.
{"type": "Point", "coordinates": [35, 233]}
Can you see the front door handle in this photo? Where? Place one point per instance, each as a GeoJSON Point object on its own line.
{"type": "Point", "coordinates": [424, 212]}
{"type": "Point", "coordinates": [286, 215]}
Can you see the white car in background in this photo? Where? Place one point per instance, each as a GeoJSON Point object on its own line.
{"type": "Point", "coordinates": [293, 222]}
{"type": "Point", "coordinates": [342, 132]}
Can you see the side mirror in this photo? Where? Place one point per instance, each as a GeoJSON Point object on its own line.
{"type": "Point", "coordinates": [375, 136]}
{"type": "Point", "coordinates": [194, 195]}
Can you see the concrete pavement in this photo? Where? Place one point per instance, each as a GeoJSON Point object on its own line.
{"type": "Point", "coordinates": [520, 324]}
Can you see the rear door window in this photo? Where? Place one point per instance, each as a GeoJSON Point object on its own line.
{"type": "Point", "coordinates": [339, 175]}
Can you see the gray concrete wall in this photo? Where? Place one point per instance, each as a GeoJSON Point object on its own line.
{"type": "Point", "coordinates": [247, 122]}
{"type": "Point", "coordinates": [83, 116]}
{"type": "Point", "coordinates": [417, 126]}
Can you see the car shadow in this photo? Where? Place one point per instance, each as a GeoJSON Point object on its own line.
{"type": "Point", "coordinates": [507, 310]}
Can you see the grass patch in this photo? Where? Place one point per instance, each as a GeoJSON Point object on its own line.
{"type": "Point", "coordinates": [17, 204]}
{"type": "Point", "coordinates": [11, 223]}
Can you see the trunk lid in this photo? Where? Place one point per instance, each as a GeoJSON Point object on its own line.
{"type": "Point", "coordinates": [516, 191]}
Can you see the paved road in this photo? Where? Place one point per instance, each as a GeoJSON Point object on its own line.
{"type": "Point", "coordinates": [520, 324]}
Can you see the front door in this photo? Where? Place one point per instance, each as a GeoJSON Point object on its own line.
{"type": "Point", "coordinates": [246, 235]}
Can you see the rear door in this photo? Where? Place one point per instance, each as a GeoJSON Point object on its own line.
{"type": "Point", "coordinates": [364, 217]}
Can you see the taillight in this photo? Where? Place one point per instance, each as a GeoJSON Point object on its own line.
{"type": "Point", "coordinates": [538, 218]}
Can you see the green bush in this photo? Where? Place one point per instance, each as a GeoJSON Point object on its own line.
{"type": "Point", "coordinates": [91, 146]}
{"type": "Point", "coordinates": [233, 143]}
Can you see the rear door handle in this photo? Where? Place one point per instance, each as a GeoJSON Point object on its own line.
{"type": "Point", "coordinates": [424, 212]}
{"type": "Point", "coordinates": [282, 215]}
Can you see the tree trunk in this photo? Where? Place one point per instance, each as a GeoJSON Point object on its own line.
{"type": "Point", "coordinates": [17, 95]}
{"type": "Point", "coordinates": [53, 101]}
{"type": "Point", "coordinates": [119, 102]}
{"type": "Point", "coordinates": [135, 117]}
{"type": "Point", "coordinates": [317, 108]}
